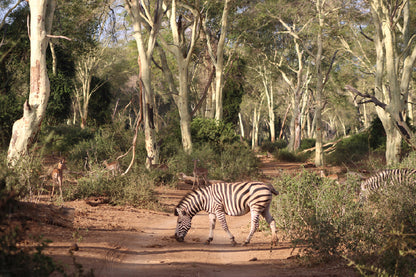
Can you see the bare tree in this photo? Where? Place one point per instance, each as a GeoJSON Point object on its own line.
{"type": "Point", "coordinates": [218, 58]}
{"type": "Point", "coordinates": [26, 128]}
{"type": "Point", "coordinates": [395, 59]}
{"type": "Point", "coordinates": [182, 47]}
{"type": "Point", "coordinates": [146, 18]}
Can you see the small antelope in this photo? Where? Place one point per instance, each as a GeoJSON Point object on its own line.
{"type": "Point", "coordinates": [199, 172]}
{"type": "Point", "coordinates": [114, 167]}
{"type": "Point", "coordinates": [57, 176]}
{"type": "Point", "coordinates": [162, 167]}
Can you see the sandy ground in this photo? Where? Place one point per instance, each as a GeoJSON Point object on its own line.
{"type": "Point", "coordinates": [126, 241]}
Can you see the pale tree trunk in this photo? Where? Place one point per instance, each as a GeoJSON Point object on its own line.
{"type": "Point", "coordinates": [240, 120]}
{"type": "Point", "coordinates": [143, 19]}
{"type": "Point", "coordinates": [85, 67]}
{"type": "Point", "coordinates": [394, 89]}
{"type": "Point", "coordinates": [182, 52]}
{"type": "Point", "coordinates": [218, 60]}
{"type": "Point", "coordinates": [54, 59]}
{"type": "Point", "coordinates": [265, 74]}
{"type": "Point", "coordinates": [255, 131]}
{"type": "Point", "coordinates": [319, 154]}
{"type": "Point", "coordinates": [25, 129]}
{"type": "Point", "coordinates": [298, 90]}
{"type": "Point", "coordinates": [256, 122]}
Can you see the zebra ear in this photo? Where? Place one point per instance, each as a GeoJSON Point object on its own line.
{"type": "Point", "coordinates": [176, 212]}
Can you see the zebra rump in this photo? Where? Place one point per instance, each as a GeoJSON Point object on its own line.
{"type": "Point", "coordinates": [220, 199]}
{"type": "Point", "coordinates": [384, 178]}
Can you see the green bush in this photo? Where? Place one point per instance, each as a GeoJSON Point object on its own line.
{"type": "Point", "coordinates": [215, 132]}
{"type": "Point", "coordinates": [288, 156]}
{"type": "Point", "coordinates": [376, 134]}
{"type": "Point", "coordinates": [316, 213]}
{"type": "Point", "coordinates": [307, 143]}
{"type": "Point", "coordinates": [62, 138]}
{"type": "Point", "coordinates": [272, 147]}
{"type": "Point", "coordinates": [349, 150]}
{"type": "Point", "coordinates": [133, 189]}
{"type": "Point", "coordinates": [324, 218]}
{"type": "Point", "coordinates": [16, 260]}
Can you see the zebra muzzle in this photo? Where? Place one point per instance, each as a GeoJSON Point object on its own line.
{"type": "Point", "coordinates": [179, 239]}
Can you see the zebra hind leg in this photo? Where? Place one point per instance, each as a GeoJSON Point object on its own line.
{"type": "Point", "coordinates": [270, 220]}
{"type": "Point", "coordinates": [221, 218]}
{"type": "Point", "coordinates": [212, 220]}
{"type": "Point", "coordinates": [254, 226]}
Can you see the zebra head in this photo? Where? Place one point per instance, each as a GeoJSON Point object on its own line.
{"type": "Point", "coordinates": [183, 225]}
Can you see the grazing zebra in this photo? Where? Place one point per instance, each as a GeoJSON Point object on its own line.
{"type": "Point", "coordinates": [220, 199]}
{"type": "Point", "coordinates": [386, 177]}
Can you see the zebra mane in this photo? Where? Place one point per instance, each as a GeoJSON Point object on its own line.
{"type": "Point", "coordinates": [187, 196]}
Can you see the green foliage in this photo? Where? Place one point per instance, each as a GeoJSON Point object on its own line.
{"type": "Point", "coordinates": [323, 216]}
{"type": "Point", "coordinates": [62, 138]}
{"type": "Point", "coordinates": [236, 162]}
{"type": "Point", "coordinates": [233, 91]}
{"type": "Point", "coordinates": [99, 106]}
{"type": "Point", "coordinates": [10, 110]}
{"type": "Point", "coordinates": [316, 213]}
{"type": "Point", "coordinates": [59, 103]}
{"type": "Point", "coordinates": [288, 156]}
{"type": "Point", "coordinates": [272, 147]}
{"type": "Point", "coordinates": [376, 134]}
{"type": "Point", "coordinates": [307, 143]}
{"type": "Point", "coordinates": [349, 150]}
{"type": "Point", "coordinates": [16, 260]}
{"type": "Point", "coordinates": [133, 189]}
{"type": "Point", "coordinates": [214, 132]}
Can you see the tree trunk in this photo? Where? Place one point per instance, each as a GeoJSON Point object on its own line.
{"type": "Point", "coordinates": [218, 60]}
{"type": "Point", "coordinates": [25, 129]}
{"type": "Point", "coordinates": [182, 52]}
{"type": "Point", "coordinates": [242, 133]}
{"type": "Point", "coordinates": [145, 56]}
{"type": "Point", "coordinates": [319, 154]}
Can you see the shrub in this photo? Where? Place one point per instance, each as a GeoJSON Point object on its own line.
{"type": "Point", "coordinates": [62, 138]}
{"type": "Point", "coordinates": [16, 260]}
{"type": "Point", "coordinates": [378, 236]}
{"type": "Point", "coordinates": [349, 150]}
{"type": "Point", "coordinates": [215, 132]}
{"type": "Point", "coordinates": [132, 189]}
{"type": "Point", "coordinates": [288, 156]}
{"type": "Point", "coordinates": [315, 213]}
{"type": "Point", "coordinates": [376, 134]}
{"type": "Point", "coordinates": [272, 147]}
{"type": "Point", "coordinates": [307, 143]}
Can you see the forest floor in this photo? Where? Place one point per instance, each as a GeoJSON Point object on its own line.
{"type": "Point", "coordinates": [127, 241]}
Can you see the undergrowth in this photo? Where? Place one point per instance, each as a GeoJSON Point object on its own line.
{"type": "Point", "coordinates": [325, 219]}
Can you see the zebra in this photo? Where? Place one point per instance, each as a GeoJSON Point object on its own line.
{"type": "Point", "coordinates": [220, 199]}
{"type": "Point", "coordinates": [383, 178]}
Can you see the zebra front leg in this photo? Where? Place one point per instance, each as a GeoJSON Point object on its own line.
{"type": "Point", "coordinates": [254, 226]}
{"type": "Point", "coordinates": [212, 220]}
{"type": "Point", "coordinates": [221, 218]}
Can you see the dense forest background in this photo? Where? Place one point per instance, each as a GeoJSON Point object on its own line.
{"type": "Point", "coordinates": [177, 85]}
{"type": "Point", "coordinates": [272, 75]}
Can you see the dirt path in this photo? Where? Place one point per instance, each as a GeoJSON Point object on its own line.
{"type": "Point", "coordinates": [125, 241]}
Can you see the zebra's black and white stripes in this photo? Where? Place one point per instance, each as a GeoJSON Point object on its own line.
{"type": "Point", "coordinates": [386, 177]}
{"type": "Point", "coordinates": [220, 199]}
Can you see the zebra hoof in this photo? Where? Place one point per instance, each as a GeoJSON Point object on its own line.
{"type": "Point", "coordinates": [245, 243]}
{"type": "Point", "coordinates": [208, 241]}
{"type": "Point", "coordinates": [233, 243]}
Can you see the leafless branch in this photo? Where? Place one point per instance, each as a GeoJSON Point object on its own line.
{"type": "Point", "coordinates": [64, 37]}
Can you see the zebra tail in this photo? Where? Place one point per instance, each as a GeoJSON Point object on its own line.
{"type": "Point", "coordinates": [272, 189]}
